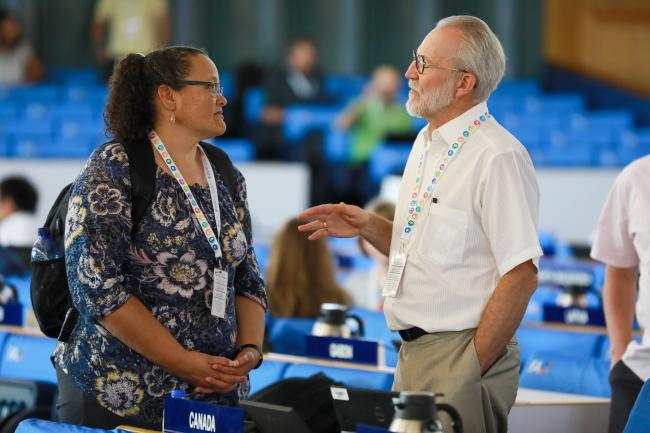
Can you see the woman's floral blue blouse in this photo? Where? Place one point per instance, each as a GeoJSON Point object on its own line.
{"type": "Point", "coordinates": [168, 265]}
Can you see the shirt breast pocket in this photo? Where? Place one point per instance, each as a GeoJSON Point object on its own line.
{"type": "Point", "coordinates": [444, 234]}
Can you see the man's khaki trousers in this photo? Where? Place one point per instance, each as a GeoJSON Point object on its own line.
{"type": "Point", "coordinates": [446, 363]}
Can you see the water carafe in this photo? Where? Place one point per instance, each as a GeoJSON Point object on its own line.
{"type": "Point", "coordinates": [416, 412]}
{"type": "Point", "coordinates": [332, 322]}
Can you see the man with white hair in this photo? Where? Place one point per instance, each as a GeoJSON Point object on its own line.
{"type": "Point", "coordinates": [463, 247]}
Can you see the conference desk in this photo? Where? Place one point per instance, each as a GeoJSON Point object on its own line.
{"type": "Point", "coordinates": [534, 411]}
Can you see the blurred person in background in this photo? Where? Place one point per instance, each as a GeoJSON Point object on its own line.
{"type": "Point", "coordinates": [622, 242]}
{"type": "Point", "coordinates": [301, 275]}
{"type": "Point", "coordinates": [18, 225]}
{"type": "Point", "coordinates": [168, 305]}
{"type": "Point", "coordinates": [18, 62]}
{"type": "Point", "coordinates": [121, 27]}
{"type": "Point", "coordinates": [298, 82]}
{"type": "Point", "coordinates": [365, 285]}
{"type": "Point", "coordinates": [374, 116]}
{"type": "Point", "coordinates": [18, 200]}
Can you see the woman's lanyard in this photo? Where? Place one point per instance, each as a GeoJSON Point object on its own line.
{"type": "Point", "coordinates": [417, 201]}
{"type": "Point", "coordinates": [220, 287]}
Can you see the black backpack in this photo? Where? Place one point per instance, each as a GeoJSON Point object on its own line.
{"type": "Point", "coordinates": [51, 298]}
{"type": "Point", "coordinates": [310, 397]}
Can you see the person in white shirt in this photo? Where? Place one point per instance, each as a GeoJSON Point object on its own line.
{"type": "Point", "coordinates": [464, 247]}
{"type": "Point", "coordinates": [622, 242]}
{"type": "Point", "coordinates": [18, 198]}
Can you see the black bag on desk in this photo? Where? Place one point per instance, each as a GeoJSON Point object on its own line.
{"type": "Point", "coordinates": [51, 298]}
{"type": "Point", "coordinates": [310, 397]}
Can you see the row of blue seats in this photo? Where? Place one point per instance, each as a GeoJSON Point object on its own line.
{"type": "Point", "coordinates": [83, 112]}
{"type": "Point", "coordinates": [549, 371]}
{"type": "Point", "coordinates": [560, 362]}
{"type": "Point", "coordinates": [559, 150]}
{"type": "Point", "coordinates": [553, 360]}
{"type": "Point", "coordinates": [53, 94]}
{"type": "Point", "coordinates": [517, 95]}
{"type": "Point", "coordinates": [80, 146]}
{"type": "Point", "coordinates": [26, 357]}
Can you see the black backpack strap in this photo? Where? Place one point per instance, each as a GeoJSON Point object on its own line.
{"type": "Point", "coordinates": [142, 169]}
{"type": "Point", "coordinates": [223, 163]}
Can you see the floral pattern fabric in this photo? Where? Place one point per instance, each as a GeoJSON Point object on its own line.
{"type": "Point", "coordinates": [167, 264]}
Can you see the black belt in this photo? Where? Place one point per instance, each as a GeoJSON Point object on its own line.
{"type": "Point", "coordinates": [412, 333]}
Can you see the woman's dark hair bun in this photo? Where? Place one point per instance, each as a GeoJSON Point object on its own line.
{"type": "Point", "coordinates": [130, 111]}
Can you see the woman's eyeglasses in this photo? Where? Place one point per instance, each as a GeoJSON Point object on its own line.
{"type": "Point", "coordinates": [216, 89]}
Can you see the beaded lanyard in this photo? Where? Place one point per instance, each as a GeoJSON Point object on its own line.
{"type": "Point", "coordinates": [200, 216]}
{"type": "Point", "coordinates": [417, 200]}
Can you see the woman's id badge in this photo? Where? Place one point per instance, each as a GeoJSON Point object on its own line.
{"type": "Point", "coordinates": [219, 293]}
{"type": "Point", "coordinates": [394, 276]}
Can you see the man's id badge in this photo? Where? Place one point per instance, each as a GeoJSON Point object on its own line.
{"type": "Point", "coordinates": [394, 276]}
{"type": "Point", "coordinates": [219, 293]}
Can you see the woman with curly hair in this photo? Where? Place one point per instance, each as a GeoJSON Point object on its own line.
{"type": "Point", "coordinates": [176, 302]}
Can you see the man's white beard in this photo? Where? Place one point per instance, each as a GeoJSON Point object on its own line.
{"type": "Point", "coordinates": [427, 105]}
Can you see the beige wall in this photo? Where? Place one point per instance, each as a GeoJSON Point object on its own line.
{"type": "Point", "coordinates": [604, 39]}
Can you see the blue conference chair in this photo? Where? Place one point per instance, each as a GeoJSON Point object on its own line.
{"type": "Point", "coordinates": [599, 121]}
{"type": "Point", "coordinates": [254, 100]}
{"type": "Point", "coordinates": [28, 145]}
{"type": "Point", "coordinates": [42, 426]}
{"type": "Point", "coordinates": [25, 127]}
{"type": "Point", "coordinates": [70, 128]}
{"type": "Point", "coordinates": [238, 149]}
{"type": "Point", "coordinates": [633, 145]}
{"type": "Point", "coordinates": [28, 358]}
{"type": "Point", "coordinates": [6, 147]}
{"type": "Point", "coordinates": [348, 376]}
{"type": "Point", "coordinates": [567, 150]}
{"type": "Point", "coordinates": [535, 340]}
{"type": "Point", "coordinates": [8, 112]}
{"type": "Point", "coordinates": [376, 329]}
{"type": "Point", "coordinates": [518, 88]}
{"type": "Point", "coordinates": [566, 373]}
{"type": "Point", "coordinates": [65, 148]}
{"type": "Point", "coordinates": [562, 104]}
{"type": "Point", "coordinates": [344, 87]}
{"type": "Point", "coordinates": [337, 145]}
{"type": "Point", "coordinates": [42, 93]}
{"type": "Point", "coordinates": [268, 373]}
{"type": "Point", "coordinates": [302, 119]}
{"type": "Point", "coordinates": [388, 159]}
{"type": "Point", "coordinates": [639, 419]}
{"type": "Point", "coordinates": [21, 283]}
{"type": "Point", "coordinates": [287, 335]}
{"type": "Point", "coordinates": [93, 94]}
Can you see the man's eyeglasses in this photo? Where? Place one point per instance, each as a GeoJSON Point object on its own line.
{"type": "Point", "coordinates": [216, 89]}
{"type": "Point", "coordinates": [421, 64]}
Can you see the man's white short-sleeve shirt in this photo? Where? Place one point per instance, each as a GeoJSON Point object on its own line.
{"type": "Point", "coordinates": [483, 225]}
{"type": "Point", "coordinates": [623, 240]}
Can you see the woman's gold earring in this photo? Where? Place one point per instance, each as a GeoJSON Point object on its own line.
{"type": "Point", "coordinates": [172, 118]}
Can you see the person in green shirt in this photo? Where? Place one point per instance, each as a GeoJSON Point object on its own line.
{"type": "Point", "coordinates": [376, 114]}
{"type": "Point", "coordinates": [370, 119]}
